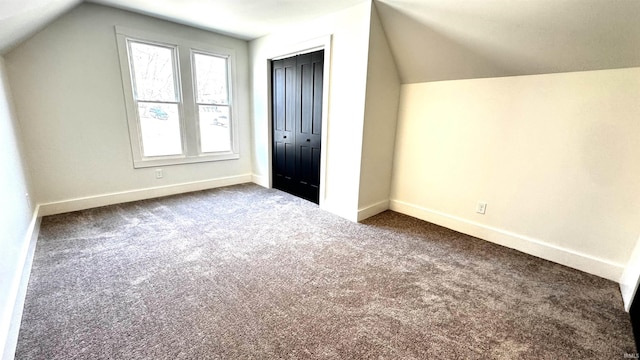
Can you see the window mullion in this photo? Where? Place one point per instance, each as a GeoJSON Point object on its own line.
{"type": "Point", "coordinates": [189, 108]}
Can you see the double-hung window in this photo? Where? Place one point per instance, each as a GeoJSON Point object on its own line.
{"type": "Point", "coordinates": [212, 99]}
{"type": "Point", "coordinates": [178, 98]}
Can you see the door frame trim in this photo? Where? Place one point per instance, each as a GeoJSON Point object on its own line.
{"type": "Point", "coordinates": [316, 44]}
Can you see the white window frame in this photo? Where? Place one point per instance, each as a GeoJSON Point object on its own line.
{"type": "Point", "coordinates": [187, 108]}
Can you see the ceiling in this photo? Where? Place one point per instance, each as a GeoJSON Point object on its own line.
{"type": "Point", "coordinates": [459, 39]}
{"type": "Point", "coordinates": [431, 39]}
{"type": "Point", "coordinates": [19, 19]}
{"type": "Point", "coordinates": [244, 19]}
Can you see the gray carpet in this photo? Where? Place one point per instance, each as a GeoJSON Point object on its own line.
{"type": "Point", "coordinates": [245, 272]}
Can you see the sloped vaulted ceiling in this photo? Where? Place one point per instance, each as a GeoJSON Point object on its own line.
{"type": "Point", "coordinates": [19, 19]}
{"type": "Point", "coordinates": [244, 19]}
{"type": "Point", "coordinates": [431, 39]}
{"type": "Point", "coordinates": [460, 39]}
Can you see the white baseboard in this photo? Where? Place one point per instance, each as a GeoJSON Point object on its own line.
{"type": "Point", "coordinates": [260, 180]}
{"type": "Point", "coordinates": [135, 195]}
{"type": "Point", "coordinates": [525, 244]}
{"type": "Point", "coordinates": [11, 319]}
{"type": "Point", "coordinates": [371, 210]}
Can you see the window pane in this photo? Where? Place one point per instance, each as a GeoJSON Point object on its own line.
{"type": "Point", "coordinates": [211, 79]}
{"type": "Point", "coordinates": [215, 134]}
{"type": "Point", "coordinates": [153, 72]}
{"type": "Point", "coordinates": [160, 127]}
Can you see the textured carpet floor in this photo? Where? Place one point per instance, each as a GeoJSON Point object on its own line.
{"type": "Point", "coordinates": [249, 273]}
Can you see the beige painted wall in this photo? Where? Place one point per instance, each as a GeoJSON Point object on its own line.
{"type": "Point", "coordinates": [16, 213]}
{"type": "Point", "coordinates": [380, 114]}
{"type": "Point", "coordinates": [554, 156]}
{"type": "Point", "coordinates": [69, 100]}
{"type": "Point", "coordinates": [349, 31]}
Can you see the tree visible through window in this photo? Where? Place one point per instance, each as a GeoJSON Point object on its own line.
{"type": "Point", "coordinates": [212, 99]}
{"type": "Point", "coordinates": [153, 70]}
{"type": "Point", "coordinates": [178, 97]}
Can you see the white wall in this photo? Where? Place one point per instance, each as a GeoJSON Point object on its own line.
{"type": "Point", "coordinates": [348, 61]}
{"type": "Point", "coordinates": [380, 114]}
{"type": "Point", "coordinates": [554, 156]}
{"type": "Point", "coordinates": [631, 277]}
{"type": "Point", "coordinates": [69, 99]}
{"type": "Point", "coordinates": [16, 214]}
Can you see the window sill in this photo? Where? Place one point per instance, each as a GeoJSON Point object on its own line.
{"type": "Point", "coordinates": [164, 161]}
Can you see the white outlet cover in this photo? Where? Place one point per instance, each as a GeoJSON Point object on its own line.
{"type": "Point", "coordinates": [481, 208]}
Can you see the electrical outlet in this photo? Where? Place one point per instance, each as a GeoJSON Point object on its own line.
{"type": "Point", "coordinates": [481, 208]}
{"type": "Point", "coordinates": [159, 174]}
